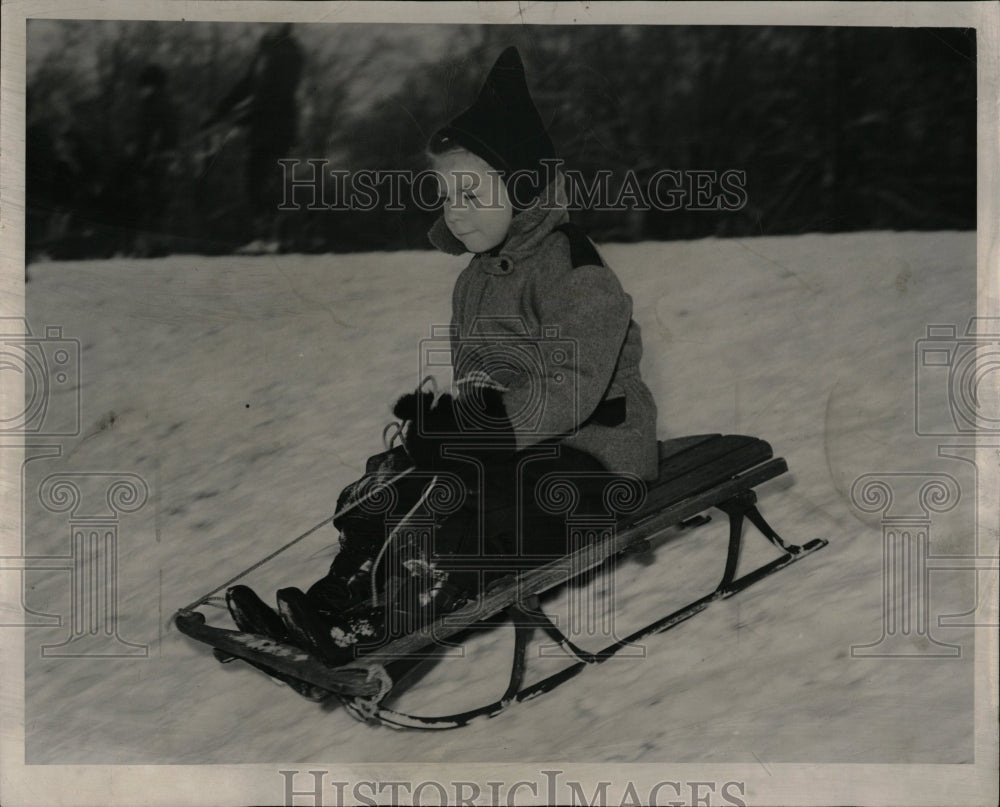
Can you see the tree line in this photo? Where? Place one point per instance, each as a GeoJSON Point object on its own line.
{"type": "Point", "coordinates": [832, 129]}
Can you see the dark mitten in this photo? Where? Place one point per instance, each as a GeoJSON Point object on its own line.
{"type": "Point", "coordinates": [478, 418]}
{"type": "Point", "coordinates": [411, 405]}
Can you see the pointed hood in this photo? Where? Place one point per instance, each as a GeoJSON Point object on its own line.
{"type": "Point", "coordinates": [504, 128]}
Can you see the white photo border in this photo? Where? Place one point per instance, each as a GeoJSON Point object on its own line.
{"type": "Point", "coordinates": [800, 784]}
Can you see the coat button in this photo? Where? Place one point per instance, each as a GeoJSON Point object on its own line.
{"type": "Point", "coordinates": [506, 265]}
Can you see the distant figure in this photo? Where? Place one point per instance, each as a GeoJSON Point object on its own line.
{"type": "Point", "coordinates": [153, 153]}
{"type": "Point", "coordinates": [263, 103]}
{"type": "Point", "coordinates": [39, 179]}
{"type": "Point", "coordinates": [62, 182]}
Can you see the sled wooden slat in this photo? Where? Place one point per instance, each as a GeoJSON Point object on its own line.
{"type": "Point", "coordinates": [677, 464]}
{"type": "Point", "coordinates": [676, 445]}
{"type": "Point", "coordinates": [348, 680]}
{"type": "Point", "coordinates": [700, 468]}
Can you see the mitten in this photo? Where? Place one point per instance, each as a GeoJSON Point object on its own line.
{"type": "Point", "coordinates": [477, 418]}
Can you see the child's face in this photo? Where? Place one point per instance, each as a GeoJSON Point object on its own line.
{"type": "Point", "coordinates": [477, 209]}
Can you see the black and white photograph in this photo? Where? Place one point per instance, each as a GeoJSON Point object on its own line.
{"type": "Point", "coordinates": [510, 403]}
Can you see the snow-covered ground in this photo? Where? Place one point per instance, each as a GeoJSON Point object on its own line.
{"type": "Point", "coordinates": [247, 391]}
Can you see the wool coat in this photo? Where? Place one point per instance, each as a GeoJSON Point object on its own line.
{"type": "Point", "coordinates": [557, 338]}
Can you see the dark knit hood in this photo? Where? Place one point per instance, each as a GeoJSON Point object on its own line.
{"type": "Point", "coordinates": [504, 128]}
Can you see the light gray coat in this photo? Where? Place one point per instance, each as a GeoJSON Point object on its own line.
{"type": "Point", "coordinates": [557, 339]}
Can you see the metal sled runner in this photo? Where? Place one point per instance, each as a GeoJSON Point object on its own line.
{"type": "Point", "coordinates": [695, 474]}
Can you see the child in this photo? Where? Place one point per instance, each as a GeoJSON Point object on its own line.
{"type": "Point", "coordinates": [546, 361]}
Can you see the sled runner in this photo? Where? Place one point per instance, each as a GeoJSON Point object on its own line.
{"type": "Point", "coordinates": [695, 474]}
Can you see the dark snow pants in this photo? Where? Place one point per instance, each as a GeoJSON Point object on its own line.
{"type": "Point", "coordinates": [488, 518]}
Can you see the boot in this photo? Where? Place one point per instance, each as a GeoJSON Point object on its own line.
{"type": "Point", "coordinates": [309, 629]}
{"type": "Point", "coordinates": [253, 615]}
{"type": "Point", "coordinates": [336, 594]}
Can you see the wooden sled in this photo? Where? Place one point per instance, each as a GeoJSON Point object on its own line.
{"type": "Point", "coordinates": [695, 474]}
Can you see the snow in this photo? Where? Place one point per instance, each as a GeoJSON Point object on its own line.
{"type": "Point", "coordinates": [247, 392]}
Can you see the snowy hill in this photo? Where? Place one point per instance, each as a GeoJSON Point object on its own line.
{"type": "Point", "coordinates": [247, 391]}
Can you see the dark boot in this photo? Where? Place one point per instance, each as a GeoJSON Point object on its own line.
{"type": "Point", "coordinates": [253, 615]}
{"type": "Point", "coordinates": [335, 594]}
{"type": "Point", "coordinates": [366, 628]}
{"type": "Point", "coordinates": [409, 605]}
{"type": "Point", "coordinates": [330, 595]}
{"type": "Point", "coordinates": [309, 629]}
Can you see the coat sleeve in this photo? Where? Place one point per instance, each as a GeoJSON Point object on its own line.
{"type": "Point", "coordinates": [457, 324]}
{"type": "Point", "coordinates": [589, 314]}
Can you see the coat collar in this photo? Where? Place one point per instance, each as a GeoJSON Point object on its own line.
{"type": "Point", "coordinates": [527, 230]}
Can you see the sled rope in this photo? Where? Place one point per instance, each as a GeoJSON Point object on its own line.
{"type": "Point", "coordinates": [395, 530]}
{"type": "Point", "coordinates": [346, 509]}
{"type": "Point", "coordinates": [398, 432]}
{"type": "Point", "coordinates": [388, 442]}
